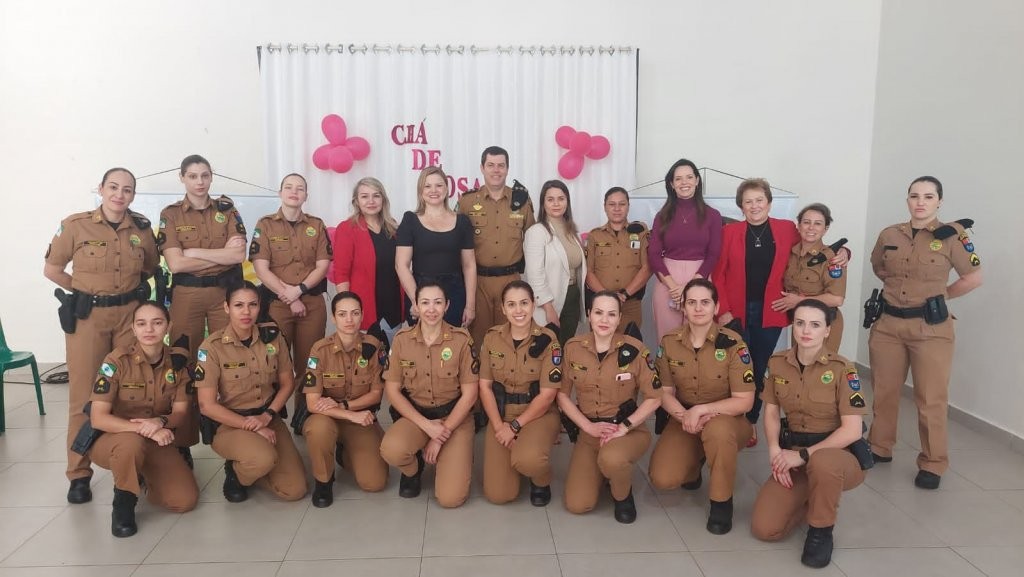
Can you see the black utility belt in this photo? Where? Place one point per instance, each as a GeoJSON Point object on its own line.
{"type": "Point", "coordinates": [933, 311]}
{"type": "Point", "coordinates": [217, 280]}
{"type": "Point", "coordinates": [109, 300]}
{"type": "Point", "coordinates": [519, 398]}
{"type": "Point", "coordinates": [516, 268]}
{"type": "Point", "coordinates": [429, 413]}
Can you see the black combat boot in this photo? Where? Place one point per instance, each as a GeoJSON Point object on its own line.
{"type": "Point", "coordinates": [122, 520]}
{"type": "Point", "coordinates": [818, 547]}
{"type": "Point", "coordinates": [79, 492]}
{"type": "Point", "coordinates": [234, 490]}
{"type": "Point", "coordinates": [540, 496]}
{"type": "Point", "coordinates": [323, 493]}
{"type": "Point", "coordinates": [625, 510]}
{"type": "Point", "coordinates": [409, 487]}
{"type": "Point", "coordinates": [720, 518]}
{"type": "Point", "coordinates": [927, 480]}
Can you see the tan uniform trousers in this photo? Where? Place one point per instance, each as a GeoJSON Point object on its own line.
{"type": "Point", "coordinates": [530, 456]}
{"type": "Point", "coordinates": [454, 468]}
{"type": "Point", "coordinates": [169, 481]}
{"type": "Point", "coordinates": [677, 455]}
{"type": "Point", "coordinates": [590, 464]}
{"type": "Point", "coordinates": [632, 311]}
{"type": "Point", "coordinates": [835, 335]}
{"type": "Point", "coordinates": [93, 339]}
{"type": "Point", "coordinates": [277, 467]}
{"type": "Point", "coordinates": [815, 494]}
{"type": "Point", "coordinates": [360, 450]}
{"type": "Point", "coordinates": [927, 350]}
{"type": "Point", "coordinates": [301, 332]}
{"type": "Point", "coordinates": [489, 311]}
{"type": "Point", "coordinates": [192, 308]}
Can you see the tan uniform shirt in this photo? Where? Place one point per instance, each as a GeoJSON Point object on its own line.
{"type": "Point", "coordinates": [616, 257]}
{"type": "Point", "coordinates": [243, 375]}
{"type": "Point", "coordinates": [813, 400]}
{"type": "Point", "coordinates": [138, 390]}
{"type": "Point", "coordinates": [498, 230]}
{"type": "Point", "coordinates": [916, 267]}
{"type": "Point", "coordinates": [182, 226]}
{"type": "Point", "coordinates": [344, 375]}
{"type": "Point", "coordinates": [718, 369]}
{"type": "Point", "coordinates": [104, 261]}
{"type": "Point", "coordinates": [601, 386]}
{"type": "Point", "coordinates": [814, 280]}
{"type": "Point", "coordinates": [516, 368]}
{"type": "Point", "coordinates": [292, 249]}
{"type": "Point", "coordinates": [432, 375]}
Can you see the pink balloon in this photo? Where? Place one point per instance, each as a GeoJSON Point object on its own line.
{"type": "Point", "coordinates": [563, 136]}
{"type": "Point", "coordinates": [571, 165]}
{"type": "Point", "coordinates": [322, 158]}
{"type": "Point", "coordinates": [580, 143]}
{"type": "Point", "coordinates": [599, 148]}
{"type": "Point", "coordinates": [334, 128]}
{"type": "Point", "coordinates": [341, 159]}
{"type": "Point", "coordinates": [358, 146]}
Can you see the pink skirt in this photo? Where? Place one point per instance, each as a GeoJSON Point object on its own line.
{"type": "Point", "coordinates": [667, 318]}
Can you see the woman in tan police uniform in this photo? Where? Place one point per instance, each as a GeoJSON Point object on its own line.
{"type": "Point", "coordinates": [140, 396]}
{"type": "Point", "coordinates": [431, 382]}
{"type": "Point", "coordinates": [343, 389]}
{"type": "Point", "coordinates": [519, 378]}
{"type": "Point", "coordinates": [708, 388]}
{"type": "Point", "coordinates": [810, 452]}
{"type": "Point", "coordinates": [606, 370]}
{"type": "Point", "coordinates": [110, 250]}
{"type": "Point", "coordinates": [244, 377]}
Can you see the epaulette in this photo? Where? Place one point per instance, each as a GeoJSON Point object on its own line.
{"type": "Point", "coordinates": [520, 196]}
{"type": "Point", "coordinates": [78, 216]}
{"type": "Point", "coordinates": [724, 341]}
{"type": "Point", "coordinates": [627, 354]}
{"type": "Point", "coordinates": [269, 332]}
{"type": "Point", "coordinates": [140, 220]}
{"type": "Point", "coordinates": [733, 335]}
{"type": "Point", "coordinates": [636, 227]}
{"type": "Point", "coordinates": [368, 350]}
{"type": "Point", "coordinates": [954, 228]}
{"type": "Point", "coordinates": [540, 344]}
{"type": "Point", "coordinates": [224, 204]}
{"type": "Point", "coordinates": [179, 353]}
{"type": "Point", "coordinates": [822, 256]}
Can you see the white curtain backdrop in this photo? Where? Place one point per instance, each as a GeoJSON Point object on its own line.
{"type": "Point", "coordinates": [466, 99]}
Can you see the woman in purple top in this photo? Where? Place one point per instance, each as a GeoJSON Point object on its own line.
{"type": "Point", "coordinates": [685, 242]}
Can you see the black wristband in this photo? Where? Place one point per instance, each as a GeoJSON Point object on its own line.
{"type": "Point", "coordinates": [270, 412]}
{"type": "Point", "coordinates": [516, 427]}
{"type": "Point", "coordinates": [344, 403]}
{"type": "Point", "coordinates": [627, 422]}
{"type": "Point", "coordinates": [303, 288]}
{"type": "Point", "coordinates": [163, 419]}
{"type": "Point", "coordinates": [805, 456]}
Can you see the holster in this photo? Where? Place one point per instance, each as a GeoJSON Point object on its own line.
{"type": "Point", "coordinates": [83, 306]}
{"type": "Point", "coordinates": [860, 448]}
{"type": "Point", "coordinates": [163, 296]}
{"type": "Point", "coordinates": [208, 427]}
{"type": "Point", "coordinates": [661, 420]}
{"type": "Point", "coordinates": [872, 308]}
{"type": "Point", "coordinates": [499, 397]}
{"type": "Point", "coordinates": [571, 428]}
{"type": "Point", "coordinates": [299, 420]}
{"type": "Point", "coordinates": [66, 310]}
{"type": "Point", "coordinates": [627, 408]}
{"type": "Point", "coordinates": [935, 310]}
{"type": "Point", "coordinates": [429, 413]}
{"type": "Point", "coordinates": [86, 434]}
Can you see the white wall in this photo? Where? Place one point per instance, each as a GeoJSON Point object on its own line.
{"type": "Point", "coordinates": [951, 103]}
{"type": "Point", "coordinates": [780, 89]}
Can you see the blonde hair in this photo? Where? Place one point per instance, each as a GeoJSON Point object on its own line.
{"type": "Point", "coordinates": [387, 222]}
{"type": "Point", "coordinates": [421, 206]}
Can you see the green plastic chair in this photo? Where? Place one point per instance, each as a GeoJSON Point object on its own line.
{"type": "Point", "coordinates": [11, 360]}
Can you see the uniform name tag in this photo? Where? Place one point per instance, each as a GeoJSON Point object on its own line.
{"type": "Point", "coordinates": [185, 228]}
{"type": "Point", "coordinates": [133, 385]}
{"type": "Point", "coordinates": [233, 365]}
{"type": "Point", "coordinates": [623, 376]}
{"type": "Point", "coordinates": [334, 375]}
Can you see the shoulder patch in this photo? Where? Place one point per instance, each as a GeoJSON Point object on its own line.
{"type": "Point", "coordinates": [627, 354]}
{"type": "Point", "coordinates": [555, 375]}
{"type": "Point", "coordinates": [852, 379]}
{"type": "Point", "coordinates": [748, 376]}
{"type": "Point", "coordinates": [857, 400]}
{"type": "Point", "coordinates": [520, 196]}
{"type": "Point", "coordinates": [178, 361]}
{"type": "Point", "coordinates": [744, 354]}
{"type": "Point", "coordinates": [656, 382]}
{"type": "Point", "coordinates": [724, 341]}
{"type": "Point", "coordinates": [636, 227]}
{"type": "Point", "coordinates": [540, 344]}
{"type": "Point", "coordinates": [101, 386]}
{"type": "Point", "coordinates": [650, 358]}
{"type": "Point", "coordinates": [309, 380]}
{"type": "Point", "coordinates": [269, 332]}
{"type": "Point", "coordinates": [224, 204]}
{"type": "Point", "coordinates": [107, 369]}
{"type": "Point", "coordinates": [368, 350]}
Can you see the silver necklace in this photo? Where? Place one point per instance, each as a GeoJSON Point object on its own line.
{"type": "Point", "coordinates": [757, 237]}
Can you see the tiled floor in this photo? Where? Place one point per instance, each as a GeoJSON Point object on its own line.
{"type": "Point", "coordinates": [974, 525]}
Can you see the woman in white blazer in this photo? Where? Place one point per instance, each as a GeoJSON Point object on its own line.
{"type": "Point", "coordinates": [555, 263]}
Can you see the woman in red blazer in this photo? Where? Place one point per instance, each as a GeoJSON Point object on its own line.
{"type": "Point", "coordinates": [364, 255]}
{"type": "Point", "coordinates": [749, 277]}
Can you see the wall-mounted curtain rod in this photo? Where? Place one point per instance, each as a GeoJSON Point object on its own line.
{"type": "Point", "coordinates": [449, 49]}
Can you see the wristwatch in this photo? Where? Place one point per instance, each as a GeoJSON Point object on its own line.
{"type": "Point", "coordinates": [516, 427]}
{"type": "Point", "coordinates": [805, 455]}
{"type": "Point", "coordinates": [303, 288]}
{"type": "Point", "coordinates": [628, 423]}
{"type": "Point", "coordinates": [270, 412]}
{"type": "Point", "coordinates": [163, 419]}
{"type": "Point", "coordinates": [344, 403]}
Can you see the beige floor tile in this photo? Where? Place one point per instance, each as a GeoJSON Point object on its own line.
{"type": "Point", "coordinates": [899, 475]}
{"type": "Point", "coordinates": [780, 563]}
{"type": "Point", "coordinates": [1015, 498]}
{"type": "Point", "coordinates": [231, 532]}
{"type": "Point", "coordinates": [995, 561]}
{"type": "Point", "coordinates": [480, 528]}
{"type": "Point", "coordinates": [361, 528]}
{"type": "Point", "coordinates": [18, 444]}
{"type": "Point", "coordinates": [905, 562]}
{"type": "Point", "coordinates": [963, 518]}
{"type": "Point", "coordinates": [409, 567]}
{"type": "Point", "coordinates": [38, 485]}
{"type": "Point", "coordinates": [491, 566]}
{"type": "Point", "coordinates": [26, 415]}
{"type": "Point", "coordinates": [268, 569]}
{"type": "Point", "coordinates": [70, 571]}
{"type": "Point", "coordinates": [619, 564]}
{"type": "Point", "coordinates": [867, 519]}
{"type": "Point", "coordinates": [18, 525]}
{"type": "Point", "coordinates": [993, 469]}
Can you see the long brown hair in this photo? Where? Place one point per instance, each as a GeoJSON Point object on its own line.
{"type": "Point", "coordinates": [542, 214]}
{"type": "Point", "coordinates": [387, 222]}
{"type": "Point", "coordinates": [668, 210]}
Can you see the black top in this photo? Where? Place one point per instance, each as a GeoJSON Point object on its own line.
{"type": "Point", "coordinates": [388, 299]}
{"type": "Point", "coordinates": [435, 253]}
{"type": "Point", "coordinates": [760, 253]}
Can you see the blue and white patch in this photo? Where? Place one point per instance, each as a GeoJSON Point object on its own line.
{"type": "Point", "coordinates": [835, 271]}
{"type": "Point", "coordinates": [201, 355]}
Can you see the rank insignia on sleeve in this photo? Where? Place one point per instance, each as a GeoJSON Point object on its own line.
{"type": "Point", "coordinates": [555, 375]}
{"type": "Point", "coordinates": [857, 400]}
{"type": "Point", "coordinates": [975, 260]}
{"type": "Point", "coordinates": [309, 380]}
{"type": "Point", "coordinates": [748, 376]}
{"type": "Point", "coordinates": [107, 369]}
{"type": "Point", "coordinates": [827, 377]}
{"type": "Point", "coordinates": [312, 362]}
{"type": "Point", "coordinates": [201, 355]}
{"type": "Point", "coordinates": [835, 271]}
{"type": "Point", "coordinates": [744, 356]}
{"type": "Point", "coordinates": [199, 374]}
{"type": "Point", "coordinates": [102, 386]}
{"type": "Point", "coordinates": [656, 382]}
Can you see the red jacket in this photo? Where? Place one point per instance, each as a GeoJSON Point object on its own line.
{"type": "Point", "coordinates": [355, 262]}
{"type": "Point", "coordinates": [730, 276]}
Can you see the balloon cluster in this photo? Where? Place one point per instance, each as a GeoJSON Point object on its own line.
{"type": "Point", "coordinates": [580, 145]}
{"type": "Point", "coordinates": [341, 151]}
